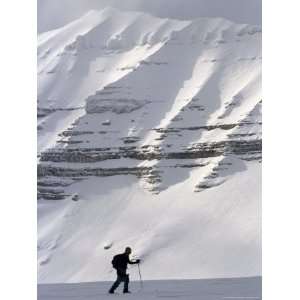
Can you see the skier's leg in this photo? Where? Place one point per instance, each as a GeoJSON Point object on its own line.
{"type": "Point", "coordinates": [126, 283]}
{"type": "Point", "coordinates": [115, 285]}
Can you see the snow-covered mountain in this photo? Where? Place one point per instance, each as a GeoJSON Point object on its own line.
{"type": "Point", "coordinates": [149, 135]}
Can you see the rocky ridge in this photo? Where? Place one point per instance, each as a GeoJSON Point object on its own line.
{"type": "Point", "coordinates": [98, 136]}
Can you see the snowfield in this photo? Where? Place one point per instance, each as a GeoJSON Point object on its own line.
{"type": "Point", "coordinates": [149, 135]}
{"type": "Point", "coordinates": [210, 289]}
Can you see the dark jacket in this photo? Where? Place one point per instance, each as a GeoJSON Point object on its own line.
{"type": "Point", "coordinates": [120, 261]}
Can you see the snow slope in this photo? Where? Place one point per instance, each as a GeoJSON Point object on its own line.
{"type": "Point", "coordinates": [150, 136]}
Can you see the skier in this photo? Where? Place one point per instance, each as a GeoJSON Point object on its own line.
{"type": "Point", "coordinates": [119, 263]}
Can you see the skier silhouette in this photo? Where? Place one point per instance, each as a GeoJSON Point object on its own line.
{"type": "Point", "coordinates": [119, 263]}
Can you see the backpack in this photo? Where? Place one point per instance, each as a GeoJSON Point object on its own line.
{"type": "Point", "coordinates": [116, 261]}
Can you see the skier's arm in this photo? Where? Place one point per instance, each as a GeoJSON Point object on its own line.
{"type": "Point", "coordinates": [132, 262]}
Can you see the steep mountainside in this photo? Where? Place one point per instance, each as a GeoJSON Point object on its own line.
{"type": "Point", "coordinates": [149, 135]}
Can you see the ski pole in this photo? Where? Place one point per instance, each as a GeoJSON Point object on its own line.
{"type": "Point", "coordinates": [141, 280]}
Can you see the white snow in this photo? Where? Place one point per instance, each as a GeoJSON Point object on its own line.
{"type": "Point", "coordinates": [178, 233]}
{"type": "Point", "coordinates": [213, 289]}
{"type": "Point", "coordinates": [121, 76]}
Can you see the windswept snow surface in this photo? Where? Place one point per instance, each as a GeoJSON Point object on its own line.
{"type": "Point", "coordinates": [149, 135]}
{"type": "Point", "coordinates": [212, 289]}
